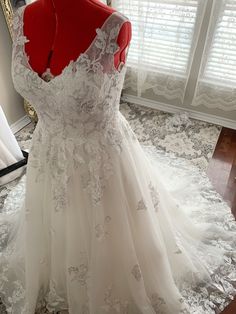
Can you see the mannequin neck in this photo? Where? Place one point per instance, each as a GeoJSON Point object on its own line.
{"type": "Point", "coordinates": [62, 5]}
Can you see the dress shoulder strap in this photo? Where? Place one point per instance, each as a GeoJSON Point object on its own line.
{"type": "Point", "coordinates": [105, 45]}
{"type": "Point", "coordinates": [17, 24]}
{"type": "Point", "coordinates": [19, 39]}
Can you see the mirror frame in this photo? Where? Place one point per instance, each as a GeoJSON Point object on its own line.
{"type": "Point", "coordinates": [8, 13]}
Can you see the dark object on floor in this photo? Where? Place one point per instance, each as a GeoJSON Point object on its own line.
{"type": "Point", "coordinates": [15, 166]}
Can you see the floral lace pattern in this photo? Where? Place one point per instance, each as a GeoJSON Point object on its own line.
{"type": "Point", "coordinates": [79, 273]}
{"type": "Point", "coordinates": [136, 272]}
{"type": "Point", "coordinates": [141, 205]}
{"type": "Point", "coordinates": [167, 85]}
{"type": "Point", "coordinates": [158, 303]}
{"type": "Point", "coordinates": [112, 304]}
{"type": "Point", "coordinates": [101, 229]}
{"type": "Point", "coordinates": [154, 195]}
{"type": "Point", "coordinates": [214, 96]}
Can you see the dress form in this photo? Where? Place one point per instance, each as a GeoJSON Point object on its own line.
{"type": "Point", "coordinates": [59, 31]}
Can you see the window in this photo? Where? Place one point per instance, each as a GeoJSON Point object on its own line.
{"type": "Point", "coordinates": [221, 56]}
{"type": "Point", "coordinates": [162, 33]}
{"type": "Point", "coordinates": [216, 82]}
{"type": "Point", "coordinates": [166, 54]}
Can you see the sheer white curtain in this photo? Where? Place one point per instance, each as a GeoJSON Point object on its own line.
{"type": "Point", "coordinates": [164, 38]}
{"type": "Point", "coordinates": [217, 80]}
{"type": "Point", "coordinates": [10, 151]}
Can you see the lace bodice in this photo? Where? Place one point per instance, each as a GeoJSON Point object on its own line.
{"type": "Point", "coordinates": [86, 91]}
{"type": "Point", "coordinates": [78, 110]}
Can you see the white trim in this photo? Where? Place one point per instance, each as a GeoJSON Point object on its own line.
{"type": "Point", "coordinates": [19, 124]}
{"type": "Point", "coordinates": [174, 109]}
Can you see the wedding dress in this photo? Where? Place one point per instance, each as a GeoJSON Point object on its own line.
{"type": "Point", "coordinates": [106, 225]}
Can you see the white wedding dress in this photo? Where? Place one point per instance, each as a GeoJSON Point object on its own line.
{"type": "Point", "coordinates": [106, 225]}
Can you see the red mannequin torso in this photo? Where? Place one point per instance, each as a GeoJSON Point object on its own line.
{"type": "Point", "coordinates": [59, 31]}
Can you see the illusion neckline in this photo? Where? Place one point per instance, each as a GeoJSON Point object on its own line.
{"type": "Point", "coordinates": [72, 62]}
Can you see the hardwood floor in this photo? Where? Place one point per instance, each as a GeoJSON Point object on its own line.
{"type": "Point", "coordinates": [222, 167]}
{"type": "Point", "coordinates": [222, 173]}
{"type": "Point", "coordinates": [231, 309]}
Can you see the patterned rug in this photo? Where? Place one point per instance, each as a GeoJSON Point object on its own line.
{"type": "Point", "coordinates": [189, 138]}
{"type": "Point", "coordinates": [192, 139]}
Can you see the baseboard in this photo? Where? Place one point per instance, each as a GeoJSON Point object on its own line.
{"type": "Point", "coordinates": [174, 109]}
{"type": "Point", "coordinates": [19, 124]}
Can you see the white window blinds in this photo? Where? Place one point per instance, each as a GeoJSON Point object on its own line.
{"type": "Point", "coordinates": [221, 60]}
{"type": "Point", "coordinates": [164, 34]}
{"type": "Point", "coordinates": [166, 29]}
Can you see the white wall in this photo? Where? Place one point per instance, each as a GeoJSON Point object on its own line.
{"type": "Point", "coordinates": [10, 100]}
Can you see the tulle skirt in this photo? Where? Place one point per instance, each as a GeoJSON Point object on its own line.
{"type": "Point", "coordinates": [161, 240]}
